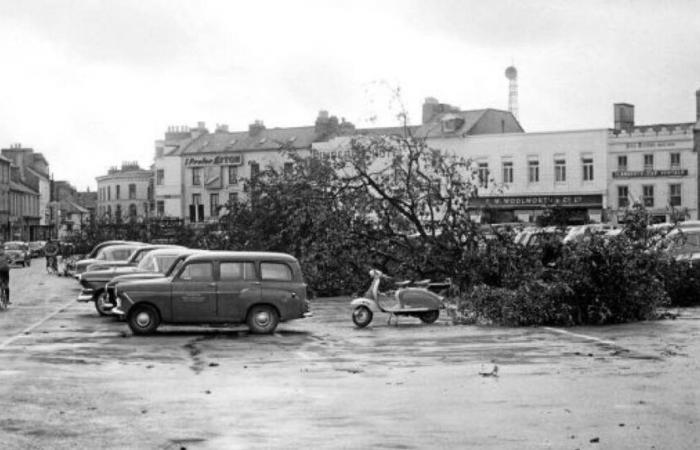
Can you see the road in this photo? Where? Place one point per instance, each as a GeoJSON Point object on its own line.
{"type": "Point", "coordinates": [72, 379]}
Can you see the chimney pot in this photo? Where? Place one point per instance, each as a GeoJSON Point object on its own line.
{"type": "Point", "coordinates": [623, 116]}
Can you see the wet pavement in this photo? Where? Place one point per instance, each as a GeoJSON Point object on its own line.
{"type": "Point", "coordinates": [72, 379]}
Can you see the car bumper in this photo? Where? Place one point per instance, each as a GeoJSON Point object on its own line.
{"type": "Point", "coordinates": [86, 295]}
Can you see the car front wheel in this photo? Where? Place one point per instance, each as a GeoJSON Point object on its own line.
{"type": "Point", "coordinates": [143, 319]}
{"type": "Point", "coordinates": [262, 319]}
{"type": "Point", "coordinates": [102, 304]}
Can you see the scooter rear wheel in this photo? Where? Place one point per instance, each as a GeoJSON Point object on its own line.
{"type": "Point", "coordinates": [429, 316]}
{"type": "Point", "coordinates": [362, 316]}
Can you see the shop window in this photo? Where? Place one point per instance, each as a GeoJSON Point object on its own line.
{"type": "Point", "coordinates": [623, 197]}
{"type": "Point", "coordinates": [674, 191]}
{"type": "Point", "coordinates": [560, 170]}
{"type": "Point", "coordinates": [648, 195]}
{"type": "Point", "coordinates": [587, 169]}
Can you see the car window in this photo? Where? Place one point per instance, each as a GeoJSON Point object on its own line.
{"type": "Point", "coordinates": [120, 254]}
{"type": "Point", "coordinates": [197, 272]}
{"type": "Point", "coordinates": [234, 271]}
{"type": "Point", "coordinates": [163, 263]}
{"type": "Point", "coordinates": [138, 256]}
{"type": "Point", "coordinates": [147, 263]}
{"type": "Point", "coordinates": [275, 271]}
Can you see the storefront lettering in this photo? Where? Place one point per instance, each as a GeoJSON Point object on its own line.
{"type": "Point", "coordinates": [540, 200]}
{"type": "Point", "coordinates": [650, 173]}
{"type": "Point", "coordinates": [227, 160]}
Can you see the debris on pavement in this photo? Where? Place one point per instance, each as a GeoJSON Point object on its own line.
{"type": "Point", "coordinates": [488, 370]}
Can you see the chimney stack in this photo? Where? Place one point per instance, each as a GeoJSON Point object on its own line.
{"type": "Point", "coordinates": [697, 106]}
{"type": "Point", "coordinates": [222, 127]}
{"type": "Point", "coordinates": [432, 108]}
{"type": "Point", "coordinates": [255, 128]}
{"type": "Point", "coordinates": [624, 116]}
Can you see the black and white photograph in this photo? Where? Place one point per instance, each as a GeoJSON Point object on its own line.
{"type": "Point", "coordinates": [385, 224]}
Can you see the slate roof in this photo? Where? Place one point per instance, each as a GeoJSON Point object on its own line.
{"type": "Point", "coordinates": [434, 127]}
{"type": "Point", "coordinates": [14, 186]}
{"type": "Point", "coordinates": [239, 141]}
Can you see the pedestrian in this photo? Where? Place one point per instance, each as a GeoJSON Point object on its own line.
{"type": "Point", "coordinates": [5, 273]}
{"type": "Point", "coordinates": [51, 252]}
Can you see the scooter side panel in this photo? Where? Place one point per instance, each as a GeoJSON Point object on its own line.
{"type": "Point", "coordinates": [419, 298]}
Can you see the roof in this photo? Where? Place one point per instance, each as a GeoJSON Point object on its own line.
{"type": "Point", "coordinates": [71, 207]}
{"type": "Point", "coordinates": [14, 186]}
{"type": "Point", "coordinates": [434, 128]}
{"type": "Point", "coordinates": [37, 172]}
{"type": "Point", "coordinates": [239, 141]}
{"type": "Point", "coordinates": [242, 255]}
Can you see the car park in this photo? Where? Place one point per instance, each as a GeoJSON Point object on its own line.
{"type": "Point", "coordinates": [18, 253]}
{"type": "Point", "coordinates": [260, 289]}
{"type": "Point", "coordinates": [154, 261]}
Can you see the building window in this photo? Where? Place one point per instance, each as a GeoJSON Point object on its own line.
{"type": "Point", "coordinates": [196, 208]}
{"type": "Point", "coordinates": [132, 191]}
{"type": "Point", "coordinates": [196, 199]}
{"type": "Point", "coordinates": [132, 210]}
{"type": "Point", "coordinates": [648, 195]}
{"type": "Point", "coordinates": [213, 205]}
{"type": "Point", "coordinates": [117, 192]}
{"type": "Point", "coordinates": [160, 175]}
{"type": "Point", "coordinates": [160, 208]}
{"type": "Point", "coordinates": [109, 192]}
{"type": "Point", "coordinates": [649, 162]}
{"type": "Point", "coordinates": [289, 168]}
{"type": "Point", "coordinates": [483, 175]}
{"type": "Point", "coordinates": [232, 198]}
{"type": "Point", "coordinates": [675, 160]}
{"type": "Point", "coordinates": [196, 176]}
{"type": "Point", "coordinates": [587, 169]}
{"type": "Point", "coordinates": [560, 170]}
{"type": "Point", "coordinates": [674, 191]}
{"type": "Point", "coordinates": [507, 171]}
{"type": "Point", "coordinates": [232, 174]}
{"type": "Point", "coordinates": [623, 197]}
{"type": "Point", "coordinates": [533, 171]}
{"type": "Point", "coordinates": [622, 162]}
{"type": "Point", "coordinates": [254, 169]}
{"type": "Point", "coordinates": [118, 211]}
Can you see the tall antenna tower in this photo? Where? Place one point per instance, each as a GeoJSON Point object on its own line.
{"type": "Point", "coordinates": [512, 75]}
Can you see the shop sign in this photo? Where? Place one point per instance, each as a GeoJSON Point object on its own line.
{"type": "Point", "coordinates": [650, 173]}
{"type": "Point", "coordinates": [540, 200]}
{"type": "Point", "coordinates": [222, 160]}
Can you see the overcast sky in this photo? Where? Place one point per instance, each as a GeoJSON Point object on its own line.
{"type": "Point", "coordinates": [93, 83]}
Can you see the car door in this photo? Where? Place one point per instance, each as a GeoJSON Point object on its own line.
{"type": "Point", "coordinates": [238, 288]}
{"type": "Point", "coordinates": [194, 293]}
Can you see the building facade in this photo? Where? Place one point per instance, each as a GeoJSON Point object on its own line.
{"type": "Point", "coordinates": [5, 198]}
{"type": "Point", "coordinates": [125, 193]}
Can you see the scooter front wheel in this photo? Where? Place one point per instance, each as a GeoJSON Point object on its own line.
{"type": "Point", "coordinates": [362, 316]}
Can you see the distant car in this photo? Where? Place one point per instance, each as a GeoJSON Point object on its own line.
{"type": "Point", "coordinates": [133, 260]}
{"type": "Point", "coordinates": [71, 265]}
{"type": "Point", "coordinates": [260, 289]}
{"type": "Point", "coordinates": [18, 253]}
{"type": "Point", "coordinates": [36, 248]}
{"type": "Point", "coordinates": [117, 252]}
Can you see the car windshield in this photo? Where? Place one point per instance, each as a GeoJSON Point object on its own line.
{"type": "Point", "coordinates": [147, 263]}
{"type": "Point", "coordinates": [176, 267]}
{"type": "Point", "coordinates": [139, 255]}
{"type": "Point", "coordinates": [14, 246]}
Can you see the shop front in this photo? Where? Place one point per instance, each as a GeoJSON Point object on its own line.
{"type": "Point", "coordinates": [576, 208]}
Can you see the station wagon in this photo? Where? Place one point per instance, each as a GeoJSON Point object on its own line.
{"type": "Point", "coordinates": [259, 289]}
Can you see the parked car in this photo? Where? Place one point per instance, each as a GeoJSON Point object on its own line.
{"type": "Point", "coordinates": [18, 253]}
{"type": "Point", "coordinates": [260, 289]}
{"type": "Point", "coordinates": [118, 252]}
{"type": "Point", "coordinates": [94, 282]}
{"type": "Point", "coordinates": [133, 260]}
{"type": "Point", "coordinates": [154, 268]}
{"type": "Point", "coordinates": [36, 248]}
{"type": "Point", "coordinates": [70, 268]}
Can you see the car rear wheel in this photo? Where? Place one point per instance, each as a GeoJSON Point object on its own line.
{"type": "Point", "coordinates": [262, 319]}
{"type": "Point", "coordinates": [362, 316]}
{"type": "Point", "coordinates": [102, 304]}
{"type": "Point", "coordinates": [143, 319]}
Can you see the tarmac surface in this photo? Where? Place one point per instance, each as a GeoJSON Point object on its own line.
{"type": "Point", "coordinates": [72, 379]}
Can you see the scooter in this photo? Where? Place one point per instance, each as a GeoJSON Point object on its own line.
{"type": "Point", "coordinates": [415, 301]}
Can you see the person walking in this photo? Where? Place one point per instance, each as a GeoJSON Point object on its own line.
{"type": "Point", "coordinates": [5, 273]}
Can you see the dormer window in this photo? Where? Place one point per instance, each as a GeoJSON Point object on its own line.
{"type": "Point", "coordinates": [451, 123]}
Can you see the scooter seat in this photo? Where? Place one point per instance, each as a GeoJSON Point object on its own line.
{"type": "Point", "coordinates": [402, 284]}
